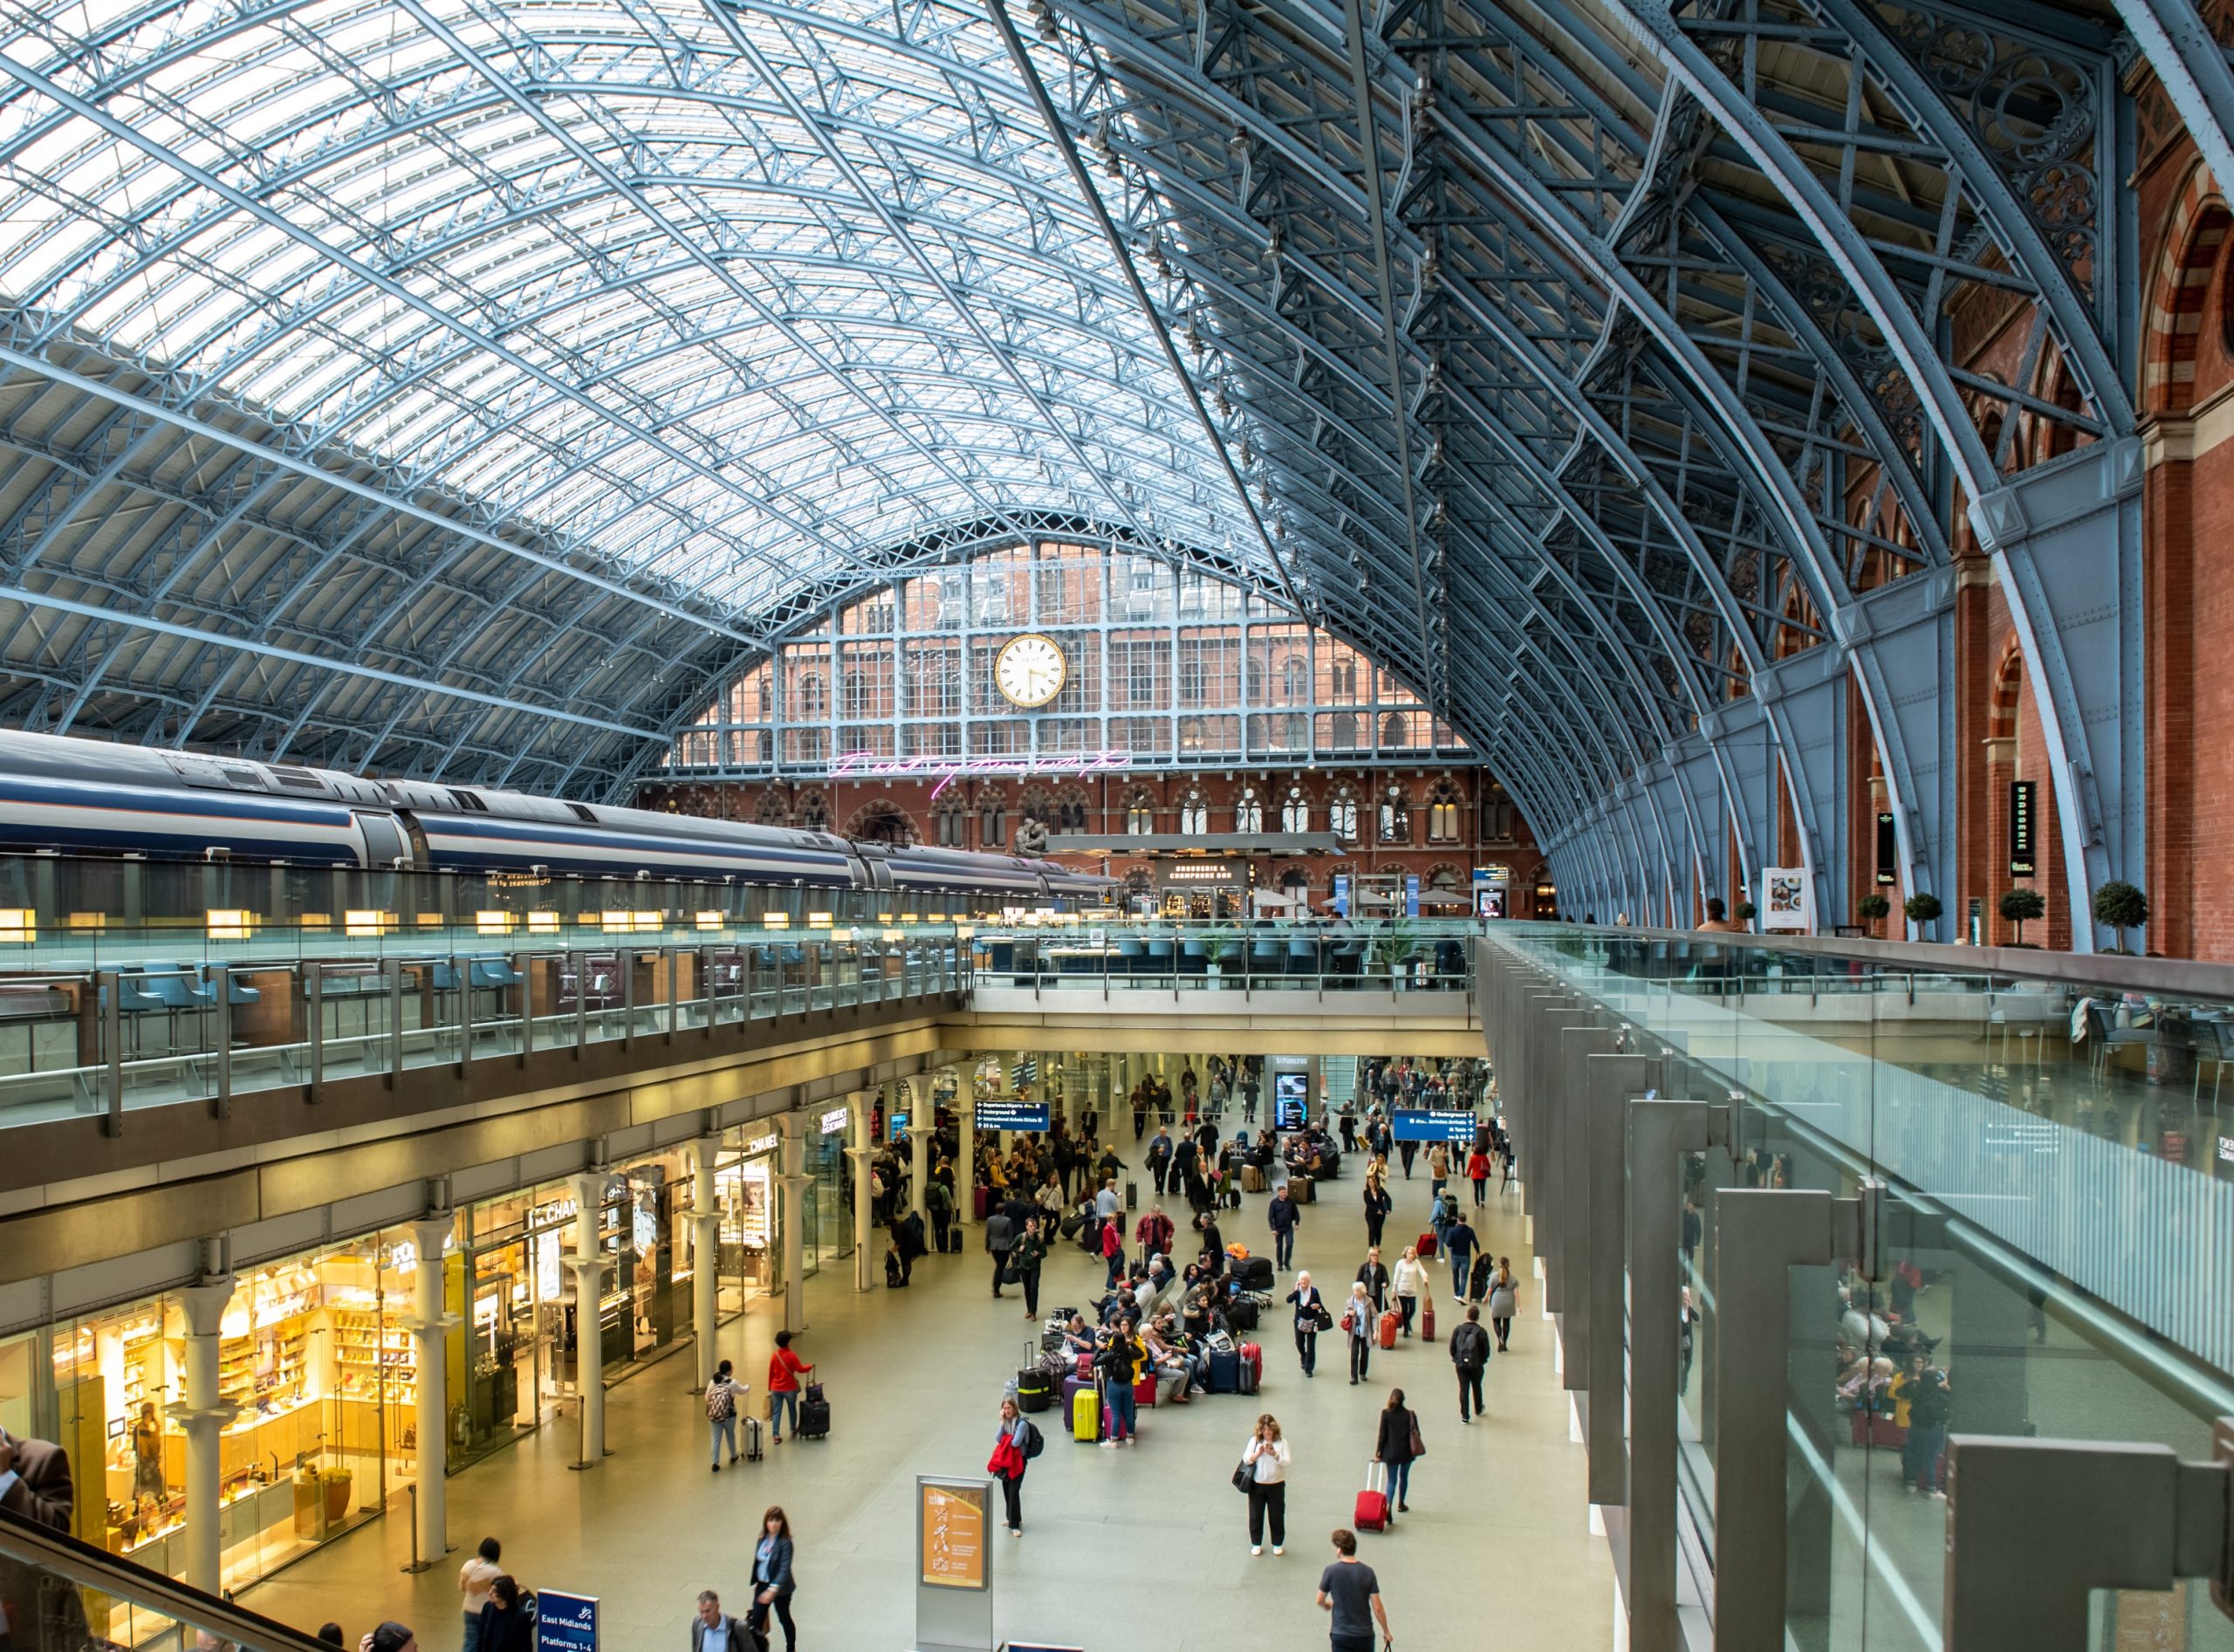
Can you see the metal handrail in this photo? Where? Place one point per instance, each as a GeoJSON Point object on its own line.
{"type": "Point", "coordinates": [2178, 977]}
{"type": "Point", "coordinates": [96, 1568]}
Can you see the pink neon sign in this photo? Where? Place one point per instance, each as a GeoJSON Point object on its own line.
{"type": "Point", "coordinates": [948, 772]}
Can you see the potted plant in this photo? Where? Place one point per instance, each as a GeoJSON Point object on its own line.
{"type": "Point", "coordinates": [1219, 944]}
{"type": "Point", "coordinates": [1747, 911]}
{"type": "Point", "coordinates": [1873, 907]}
{"type": "Point", "coordinates": [1392, 947]}
{"type": "Point", "coordinates": [2019, 904]}
{"type": "Point", "coordinates": [2122, 907]}
{"type": "Point", "coordinates": [1924, 911]}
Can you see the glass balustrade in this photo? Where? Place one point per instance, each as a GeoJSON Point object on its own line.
{"type": "Point", "coordinates": [2058, 1160]}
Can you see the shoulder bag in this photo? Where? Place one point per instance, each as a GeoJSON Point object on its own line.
{"type": "Point", "coordinates": [1245, 1475]}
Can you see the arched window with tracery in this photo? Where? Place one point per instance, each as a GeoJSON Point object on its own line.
{"type": "Point", "coordinates": [814, 811]}
{"type": "Point", "coordinates": [992, 819]}
{"type": "Point", "coordinates": [1295, 810]}
{"type": "Point", "coordinates": [1295, 680]}
{"type": "Point", "coordinates": [1343, 727]}
{"type": "Point", "coordinates": [1194, 813]}
{"type": "Point", "coordinates": [950, 817]}
{"type": "Point", "coordinates": [1070, 809]}
{"type": "Point", "coordinates": [1396, 816]}
{"type": "Point", "coordinates": [1249, 812]}
{"type": "Point", "coordinates": [1342, 814]}
{"type": "Point", "coordinates": [1443, 812]}
{"type": "Point", "coordinates": [1140, 812]}
{"type": "Point", "coordinates": [773, 809]}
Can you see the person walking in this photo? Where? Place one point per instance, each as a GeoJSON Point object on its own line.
{"type": "Point", "coordinates": [724, 1399]}
{"type": "Point", "coordinates": [1411, 1283]}
{"type": "Point", "coordinates": [1477, 1172]}
{"type": "Point", "coordinates": [1505, 1299]}
{"type": "Point", "coordinates": [1374, 1277]}
{"type": "Point", "coordinates": [1112, 1250]}
{"type": "Point", "coordinates": [1266, 1458]}
{"type": "Point", "coordinates": [473, 1580]}
{"type": "Point", "coordinates": [938, 1199]}
{"type": "Point", "coordinates": [1408, 1151]}
{"type": "Point", "coordinates": [1470, 1357]}
{"type": "Point", "coordinates": [1438, 1170]}
{"type": "Point", "coordinates": [1357, 1324]}
{"type": "Point", "coordinates": [1025, 1256]}
{"type": "Point", "coordinates": [1015, 1443]}
{"type": "Point", "coordinates": [1378, 1204]}
{"type": "Point", "coordinates": [1000, 1238]}
{"type": "Point", "coordinates": [713, 1630]}
{"type": "Point", "coordinates": [1349, 1591]}
{"type": "Point", "coordinates": [1283, 1217]}
{"type": "Point", "coordinates": [785, 1370]}
{"type": "Point", "coordinates": [1310, 1318]}
{"type": "Point", "coordinates": [1398, 1445]}
{"type": "Point", "coordinates": [1459, 1242]}
{"type": "Point", "coordinates": [772, 1585]}
{"type": "Point", "coordinates": [1159, 1157]}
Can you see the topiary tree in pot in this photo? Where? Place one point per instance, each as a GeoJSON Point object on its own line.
{"type": "Point", "coordinates": [1924, 911]}
{"type": "Point", "coordinates": [2122, 907]}
{"type": "Point", "coordinates": [1873, 907]}
{"type": "Point", "coordinates": [2019, 906]}
{"type": "Point", "coordinates": [1745, 911]}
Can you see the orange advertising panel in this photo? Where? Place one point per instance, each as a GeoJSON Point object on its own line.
{"type": "Point", "coordinates": [954, 1535]}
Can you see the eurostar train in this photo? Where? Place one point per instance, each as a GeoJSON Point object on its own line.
{"type": "Point", "coordinates": [91, 801]}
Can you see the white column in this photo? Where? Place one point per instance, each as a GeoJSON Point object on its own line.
{"type": "Point", "coordinates": [965, 1159]}
{"type": "Point", "coordinates": [203, 1417]}
{"type": "Point", "coordinates": [793, 1180]}
{"type": "Point", "coordinates": [919, 1156]}
{"type": "Point", "coordinates": [430, 1328]}
{"type": "Point", "coordinates": [705, 1255]}
{"type": "Point", "coordinates": [859, 1155]}
{"type": "Point", "coordinates": [588, 1264]}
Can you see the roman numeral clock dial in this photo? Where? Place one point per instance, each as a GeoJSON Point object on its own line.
{"type": "Point", "coordinates": [1030, 671]}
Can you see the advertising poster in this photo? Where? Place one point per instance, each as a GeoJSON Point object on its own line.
{"type": "Point", "coordinates": [1787, 903]}
{"type": "Point", "coordinates": [953, 1520]}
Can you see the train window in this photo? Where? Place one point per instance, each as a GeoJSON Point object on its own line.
{"type": "Point", "coordinates": [469, 802]}
{"type": "Point", "coordinates": [583, 814]}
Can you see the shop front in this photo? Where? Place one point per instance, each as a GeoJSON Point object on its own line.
{"type": "Point", "coordinates": [828, 1236]}
{"type": "Point", "coordinates": [315, 1359]}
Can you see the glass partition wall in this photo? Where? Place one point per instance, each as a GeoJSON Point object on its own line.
{"type": "Point", "coordinates": [2058, 1240]}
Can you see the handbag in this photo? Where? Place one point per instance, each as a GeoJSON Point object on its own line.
{"type": "Point", "coordinates": [1419, 1449]}
{"type": "Point", "coordinates": [1320, 1319]}
{"type": "Point", "coordinates": [1245, 1475]}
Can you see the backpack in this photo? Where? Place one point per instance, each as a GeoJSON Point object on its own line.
{"type": "Point", "coordinates": [1034, 1441]}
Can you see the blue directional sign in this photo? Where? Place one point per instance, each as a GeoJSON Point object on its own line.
{"type": "Point", "coordinates": [1436, 1126]}
{"type": "Point", "coordinates": [1002, 1115]}
{"type": "Point", "coordinates": [564, 1622]}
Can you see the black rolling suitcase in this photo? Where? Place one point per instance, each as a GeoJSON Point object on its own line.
{"type": "Point", "coordinates": [815, 1414]}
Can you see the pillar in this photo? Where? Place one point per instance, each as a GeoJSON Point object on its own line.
{"type": "Point", "coordinates": [793, 1180]}
{"type": "Point", "coordinates": [589, 1266]}
{"type": "Point", "coordinates": [203, 1415]}
{"type": "Point", "coordinates": [430, 1326]}
{"type": "Point", "coordinates": [705, 1255]}
{"type": "Point", "coordinates": [859, 1155]}
{"type": "Point", "coordinates": [919, 1157]}
{"type": "Point", "coordinates": [965, 1159]}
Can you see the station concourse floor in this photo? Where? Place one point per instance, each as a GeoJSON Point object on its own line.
{"type": "Point", "coordinates": [1141, 1546]}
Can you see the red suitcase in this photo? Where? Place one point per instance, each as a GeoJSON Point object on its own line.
{"type": "Point", "coordinates": [1390, 1323]}
{"type": "Point", "coordinates": [1426, 1321]}
{"type": "Point", "coordinates": [1426, 1247]}
{"type": "Point", "coordinates": [1252, 1367]}
{"type": "Point", "coordinates": [1144, 1391]}
{"type": "Point", "coordinates": [981, 1194]}
{"type": "Point", "coordinates": [1372, 1512]}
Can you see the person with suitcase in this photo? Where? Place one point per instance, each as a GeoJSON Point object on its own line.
{"type": "Point", "coordinates": [1349, 1591]}
{"type": "Point", "coordinates": [1263, 1478]}
{"type": "Point", "coordinates": [1358, 1325]}
{"type": "Point", "coordinates": [938, 1199]}
{"type": "Point", "coordinates": [784, 1369]}
{"type": "Point", "coordinates": [1398, 1445]}
{"type": "Point", "coordinates": [1374, 1277]}
{"type": "Point", "coordinates": [724, 1399]}
{"type": "Point", "coordinates": [1015, 1443]}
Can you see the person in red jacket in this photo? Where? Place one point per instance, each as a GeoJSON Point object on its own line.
{"type": "Point", "coordinates": [1477, 1170]}
{"type": "Point", "coordinates": [1154, 1233]}
{"type": "Point", "coordinates": [1113, 1249]}
{"type": "Point", "coordinates": [785, 1370]}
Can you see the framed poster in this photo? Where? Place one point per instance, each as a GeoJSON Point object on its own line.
{"type": "Point", "coordinates": [951, 1515]}
{"type": "Point", "coordinates": [1787, 903]}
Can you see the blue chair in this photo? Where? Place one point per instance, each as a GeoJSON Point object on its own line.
{"type": "Point", "coordinates": [1160, 957]}
{"type": "Point", "coordinates": [1193, 958]}
{"type": "Point", "coordinates": [132, 1000]}
{"type": "Point", "coordinates": [1303, 955]}
{"type": "Point", "coordinates": [1266, 957]}
{"type": "Point", "coordinates": [1131, 955]}
{"type": "Point", "coordinates": [493, 970]}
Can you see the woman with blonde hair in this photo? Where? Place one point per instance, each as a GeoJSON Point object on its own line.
{"type": "Point", "coordinates": [1263, 1476]}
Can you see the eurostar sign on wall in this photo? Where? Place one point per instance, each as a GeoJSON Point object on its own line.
{"type": "Point", "coordinates": [853, 762]}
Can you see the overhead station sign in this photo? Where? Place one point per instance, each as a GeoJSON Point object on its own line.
{"type": "Point", "coordinates": [1001, 1114]}
{"type": "Point", "coordinates": [1436, 1124]}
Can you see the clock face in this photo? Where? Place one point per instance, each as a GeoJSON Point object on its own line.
{"type": "Point", "coordinates": [1031, 670]}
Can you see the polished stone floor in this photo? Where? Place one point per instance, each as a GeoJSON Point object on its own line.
{"type": "Point", "coordinates": [1122, 1549]}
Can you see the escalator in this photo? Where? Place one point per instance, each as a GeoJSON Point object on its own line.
{"type": "Point", "coordinates": [60, 1594]}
